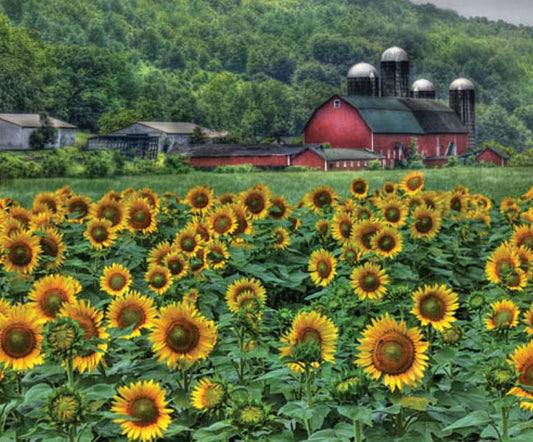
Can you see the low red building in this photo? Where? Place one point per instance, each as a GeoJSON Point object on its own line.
{"type": "Point", "coordinates": [489, 155]}
{"type": "Point", "coordinates": [336, 159]}
{"type": "Point", "coordinates": [387, 125]}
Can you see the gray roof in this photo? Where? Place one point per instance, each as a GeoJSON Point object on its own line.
{"type": "Point", "coordinates": [233, 150]}
{"type": "Point", "coordinates": [462, 84]}
{"type": "Point", "coordinates": [345, 153]}
{"type": "Point", "coordinates": [394, 54]}
{"type": "Point", "coordinates": [362, 70]}
{"type": "Point", "coordinates": [171, 127]}
{"type": "Point", "coordinates": [33, 121]}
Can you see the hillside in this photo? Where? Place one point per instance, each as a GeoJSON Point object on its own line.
{"type": "Point", "coordinates": [257, 68]}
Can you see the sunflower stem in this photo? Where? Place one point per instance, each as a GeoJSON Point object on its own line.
{"type": "Point", "coordinates": [505, 422]}
{"type": "Point", "coordinates": [71, 433]}
{"type": "Point", "coordinates": [240, 337]}
{"type": "Point", "coordinates": [308, 397]}
{"type": "Point", "coordinates": [357, 431]}
{"type": "Point", "coordinates": [70, 372]}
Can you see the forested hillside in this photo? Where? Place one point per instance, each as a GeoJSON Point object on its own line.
{"type": "Point", "coordinates": [255, 67]}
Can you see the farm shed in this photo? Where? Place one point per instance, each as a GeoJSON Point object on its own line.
{"type": "Point", "coordinates": [332, 159]}
{"type": "Point", "coordinates": [490, 155]}
{"type": "Point", "coordinates": [16, 129]}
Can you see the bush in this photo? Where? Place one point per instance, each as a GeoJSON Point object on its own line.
{"type": "Point", "coordinates": [99, 164]}
{"type": "Point", "coordinates": [374, 165]}
{"type": "Point", "coordinates": [238, 168]}
{"type": "Point", "coordinates": [15, 166]}
{"type": "Point", "coordinates": [302, 169]}
{"type": "Point", "coordinates": [452, 162]}
{"type": "Point", "coordinates": [53, 164]}
{"type": "Point", "coordinates": [177, 163]}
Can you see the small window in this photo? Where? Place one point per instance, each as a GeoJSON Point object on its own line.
{"type": "Point", "coordinates": [337, 164]}
{"type": "Point", "coordinates": [351, 163]}
{"type": "Point", "coordinates": [388, 154]}
{"type": "Point", "coordinates": [394, 154]}
{"type": "Point", "coordinates": [364, 163]}
{"type": "Point", "coordinates": [344, 165]}
{"type": "Point", "coordinates": [359, 164]}
{"type": "Point", "coordinates": [336, 104]}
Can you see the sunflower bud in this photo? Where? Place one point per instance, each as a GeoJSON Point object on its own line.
{"type": "Point", "coordinates": [65, 407]}
{"type": "Point", "coordinates": [63, 338]}
{"type": "Point", "coordinates": [500, 378]}
{"type": "Point", "coordinates": [452, 335]}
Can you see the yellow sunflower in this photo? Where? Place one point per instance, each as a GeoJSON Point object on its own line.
{"type": "Point", "coordinates": [523, 236]}
{"type": "Point", "coordinates": [350, 253]}
{"type": "Point", "coordinates": [11, 226]}
{"type": "Point", "coordinates": [522, 360]}
{"type": "Point", "coordinates": [238, 287]}
{"type": "Point", "coordinates": [393, 211]}
{"type": "Point", "coordinates": [322, 266]}
{"type": "Point", "coordinates": [504, 315]}
{"type": "Point", "coordinates": [52, 203]}
{"type": "Point", "coordinates": [151, 196]}
{"type": "Point", "coordinates": [201, 226]}
{"type": "Point", "coordinates": [112, 210]}
{"type": "Point", "coordinates": [23, 252]}
{"type": "Point", "coordinates": [412, 183]}
{"type": "Point", "coordinates": [435, 305]}
{"type": "Point", "coordinates": [369, 281]}
{"type": "Point", "coordinates": [458, 202]}
{"type": "Point", "coordinates": [41, 221]}
{"type": "Point", "coordinates": [279, 208]}
{"type": "Point", "coordinates": [256, 201]}
{"type": "Point", "coordinates": [143, 407]}
{"type": "Point", "coordinates": [222, 221]}
{"type": "Point", "coordinates": [207, 395]}
{"type": "Point", "coordinates": [131, 309]}
{"type": "Point", "coordinates": [21, 338]}
{"type": "Point", "coordinates": [217, 254]}
{"type": "Point", "coordinates": [78, 208]}
{"type": "Point", "coordinates": [52, 246]}
{"type": "Point", "coordinates": [359, 188]}
{"type": "Point", "coordinates": [159, 278]}
{"type": "Point", "coordinates": [363, 232]}
{"type": "Point", "coordinates": [387, 242]}
{"type": "Point", "coordinates": [90, 320]}
{"type": "Point", "coordinates": [426, 223]}
{"type": "Point", "coordinates": [501, 263]}
{"type": "Point", "coordinates": [323, 227]}
{"type": "Point", "coordinates": [158, 253]}
{"type": "Point", "coordinates": [200, 198]}
{"type": "Point", "coordinates": [226, 198]}
{"type": "Point", "coordinates": [188, 241]}
{"type": "Point", "coordinates": [341, 227]}
{"type": "Point", "coordinates": [50, 292]}
{"type": "Point", "coordinates": [321, 199]}
{"type": "Point", "coordinates": [281, 238]}
{"type": "Point", "coordinates": [4, 306]}
{"type": "Point", "coordinates": [177, 264]}
{"type": "Point", "coordinates": [391, 350]}
{"type": "Point", "coordinates": [141, 217]}
{"type": "Point", "coordinates": [311, 329]}
{"type": "Point", "coordinates": [528, 319]}
{"type": "Point", "coordinates": [181, 334]}
{"type": "Point", "coordinates": [22, 215]}
{"type": "Point", "coordinates": [389, 188]}
{"type": "Point", "coordinates": [362, 213]}
{"type": "Point", "coordinates": [99, 233]}
{"type": "Point", "coordinates": [116, 279]}
{"type": "Point", "coordinates": [244, 220]}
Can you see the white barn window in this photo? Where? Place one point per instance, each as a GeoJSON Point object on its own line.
{"type": "Point", "coordinates": [336, 104]}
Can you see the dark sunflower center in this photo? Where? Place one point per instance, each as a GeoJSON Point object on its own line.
{"type": "Point", "coordinates": [117, 281]}
{"type": "Point", "coordinates": [88, 327]}
{"type": "Point", "coordinates": [188, 244]}
{"type": "Point", "coordinates": [364, 214]}
{"type": "Point", "coordinates": [183, 337]}
{"type": "Point", "coordinates": [527, 241]}
{"type": "Point", "coordinates": [20, 255]}
{"type": "Point", "coordinates": [503, 318]}
{"type": "Point", "coordinates": [52, 303]}
{"type": "Point", "coordinates": [18, 341]}
{"type": "Point", "coordinates": [144, 411]}
{"type": "Point", "coordinates": [323, 229]}
{"type": "Point", "coordinates": [110, 213]}
{"type": "Point", "coordinates": [322, 199]}
{"type": "Point", "coordinates": [276, 211]}
{"type": "Point", "coordinates": [386, 243]}
{"type": "Point", "coordinates": [141, 219]}
{"type": "Point", "coordinates": [527, 375]}
{"type": "Point", "coordinates": [414, 183]}
{"type": "Point", "coordinates": [310, 335]}
{"type": "Point", "coordinates": [99, 234]}
{"type": "Point", "coordinates": [346, 229]}
{"type": "Point", "coordinates": [222, 224]}
{"type": "Point", "coordinates": [392, 214]}
{"type": "Point", "coordinates": [394, 353]}
{"type": "Point", "coordinates": [323, 269]}
{"type": "Point", "coordinates": [213, 396]}
{"type": "Point", "coordinates": [432, 307]}
{"type": "Point", "coordinates": [175, 266]}
{"type": "Point", "coordinates": [255, 203]}
{"type": "Point", "coordinates": [424, 225]}
{"type": "Point", "coordinates": [351, 256]}
{"type": "Point", "coordinates": [366, 239]}
{"type": "Point", "coordinates": [200, 201]}
{"type": "Point", "coordinates": [49, 247]}
{"type": "Point", "coordinates": [359, 187]}
{"type": "Point", "coordinates": [79, 209]}
{"type": "Point", "coordinates": [505, 267]}
{"type": "Point", "coordinates": [158, 280]}
{"type": "Point", "coordinates": [455, 204]}
{"type": "Point", "coordinates": [131, 316]}
{"type": "Point", "coordinates": [370, 282]}
{"type": "Point", "coordinates": [513, 279]}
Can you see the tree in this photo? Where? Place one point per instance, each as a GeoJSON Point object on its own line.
{"type": "Point", "coordinates": [197, 136]}
{"type": "Point", "coordinates": [43, 135]}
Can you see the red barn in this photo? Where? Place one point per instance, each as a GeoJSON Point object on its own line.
{"type": "Point", "coordinates": [386, 125]}
{"type": "Point", "coordinates": [336, 158]}
{"type": "Point", "coordinates": [493, 155]}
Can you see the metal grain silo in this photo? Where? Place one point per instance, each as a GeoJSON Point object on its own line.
{"type": "Point", "coordinates": [363, 80]}
{"type": "Point", "coordinates": [463, 102]}
{"type": "Point", "coordinates": [394, 73]}
{"type": "Point", "coordinates": [423, 89]}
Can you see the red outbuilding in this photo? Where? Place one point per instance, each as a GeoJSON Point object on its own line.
{"type": "Point", "coordinates": [336, 159]}
{"type": "Point", "coordinates": [386, 126]}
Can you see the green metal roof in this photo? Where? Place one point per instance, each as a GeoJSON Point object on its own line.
{"type": "Point", "coordinates": [346, 153]}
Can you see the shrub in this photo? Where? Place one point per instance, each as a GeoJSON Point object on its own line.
{"type": "Point", "coordinates": [452, 162]}
{"type": "Point", "coordinates": [99, 164]}
{"type": "Point", "coordinates": [177, 163]}
{"type": "Point", "coordinates": [302, 169]}
{"type": "Point", "coordinates": [238, 168]}
{"type": "Point", "coordinates": [374, 165]}
{"type": "Point", "coordinates": [15, 166]}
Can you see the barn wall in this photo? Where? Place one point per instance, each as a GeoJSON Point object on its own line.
{"type": "Point", "coordinates": [165, 141]}
{"type": "Point", "coordinates": [265, 161]}
{"type": "Point", "coordinates": [438, 162]}
{"type": "Point", "coordinates": [10, 136]}
{"type": "Point", "coordinates": [491, 157]}
{"type": "Point", "coordinates": [308, 158]}
{"type": "Point", "coordinates": [342, 127]}
{"type": "Point", "coordinates": [350, 165]}
{"type": "Point", "coordinates": [384, 144]}
{"type": "Point", "coordinates": [65, 137]}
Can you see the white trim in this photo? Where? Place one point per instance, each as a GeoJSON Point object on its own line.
{"type": "Point", "coordinates": [372, 141]}
{"type": "Point", "coordinates": [325, 166]}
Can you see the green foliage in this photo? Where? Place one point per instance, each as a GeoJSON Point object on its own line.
{"type": "Point", "coordinates": [116, 119]}
{"type": "Point", "coordinates": [99, 164]}
{"type": "Point", "coordinates": [522, 159]}
{"type": "Point", "coordinates": [238, 168]}
{"type": "Point", "coordinates": [374, 165]}
{"type": "Point", "coordinates": [197, 136]}
{"type": "Point", "coordinates": [453, 162]}
{"type": "Point", "coordinates": [43, 135]}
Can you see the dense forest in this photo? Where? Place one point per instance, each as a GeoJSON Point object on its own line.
{"type": "Point", "coordinates": [254, 67]}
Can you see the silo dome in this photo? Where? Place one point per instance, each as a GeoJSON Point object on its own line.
{"type": "Point", "coordinates": [462, 84]}
{"type": "Point", "coordinates": [362, 70]}
{"type": "Point", "coordinates": [394, 54]}
{"type": "Point", "coordinates": [422, 85]}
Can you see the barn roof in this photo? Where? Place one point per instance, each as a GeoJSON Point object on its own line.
{"type": "Point", "coordinates": [33, 121]}
{"type": "Point", "coordinates": [179, 127]}
{"type": "Point", "coordinates": [387, 115]}
{"type": "Point", "coordinates": [345, 154]}
{"type": "Point", "coordinates": [234, 150]}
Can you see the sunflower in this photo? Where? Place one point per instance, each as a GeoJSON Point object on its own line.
{"type": "Point", "coordinates": [112, 210]}
{"type": "Point", "coordinates": [458, 202]}
{"type": "Point", "coordinates": [200, 198]}
{"type": "Point", "coordinates": [41, 221]}
{"type": "Point", "coordinates": [322, 198]}
{"type": "Point", "coordinates": [21, 338]}
{"type": "Point", "coordinates": [363, 232]}
{"type": "Point", "coordinates": [528, 319]}
{"type": "Point", "coordinates": [143, 407]}
{"type": "Point", "coordinates": [281, 238]}
{"type": "Point", "coordinates": [369, 281]}
{"type": "Point", "coordinates": [256, 200]}
{"type": "Point", "coordinates": [222, 221]}
{"type": "Point", "coordinates": [412, 183]}
{"type": "Point", "coordinates": [116, 279]}
{"type": "Point", "coordinates": [181, 334]}
{"type": "Point", "coordinates": [23, 252]}
{"type": "Point", "coordinates": [426, 223]}
{"type": "Point", "coordinates": [393, 211]}
{"type": "Point", "coordinates": [78, 208]}
{"type": "Point", "coordinates": [522, 360]}
{"type": "Point", "coordinates": [159, 278]}
{"type": "Point", "coordinates": [316, 332]}
{"type": "Point", "coordinates": [501, 263]}
{"type": "Point", "coordinates": [504, 315]}
{"type": "Point", "coordinates": [391, 350]}
{"type": "Point", "coordinates": [217, 254]}
{"type": "Point", "coordinates": [389, 188]}
{"type": "Point", "coordinates": [190, 297]}
{"type": "Point", "coordinates": [4, 306]}
{"type": "Point", "coordinates": [151, 196]}
{"type": "Point", "coordinates": [238, 287]}
{"type": "Point", "coordinates": [10, 226]}
{"type": "Point", "coordinates": [52, 203]}
{"type": "Point", "coordinates": [516, 280]}
{"type": "Point", "coordinates": [52, 246]}
{"type": "Point", "coordinates": [22, 215]}
{"type": "Point", "coordinates": [50, 292]}
{"type": "Point", "coordinates": [387, 242]}
{"type": "Point", "coordinates": [141, 217]}
{"type": "Point", "coordinates": [350, 253]}
{"type": "Point", "coordinates": [435, 305]}
{"type": "Point", "coordinates": [158, 253]}
{"type": "Point", "coordinates": [207, 395]}
{"type": "Point", "coordinates": [341, 227]}
{"type": "Point", "coordinates": [244, 220]}
{"type": "Point", "coordinates": [226, 198]}
{"type": "Point", "coordinates": [528, 215]}
{"type": "Point", "coordinates": [65, 407]}
{"type": "Point", "coordinates": [99, 233]}
{"type": "Point", "coordinates": [322, 266]}
{"type": "Point", "coordinates": [323, 227]}
{"type": "Point", "coordinates": [362, 213]}
{"type": "Point", "coordinates": [279, 208]}
{"type": "Point", "coordinates": [359, 188]}
{"type": "Point", "coordinates": [177, 264]}
{"type": "Point", "coordinates": [129, 309]}
{"type": "Point", "coordinates": [202, 228]}
{"type": "Point", "coordinates": [90, 320]}
{"type": "Point", "coordinates": [188, 241]}
{"type": "Point", "coordinates": [523, 236]}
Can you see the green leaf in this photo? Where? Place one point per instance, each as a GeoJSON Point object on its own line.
{"type": "Point", "coordinates": [474, 419]}
{"type": "Point", "coordinates": [353, 412]}
{"type": "Point", "coordinates": [36, 393]}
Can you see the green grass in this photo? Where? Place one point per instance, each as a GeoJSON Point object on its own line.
{"type": "Point", "coordinates": [496, 183]}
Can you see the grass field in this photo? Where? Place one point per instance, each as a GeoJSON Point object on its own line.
{"type": "Point", "coordinates": [495, 183]}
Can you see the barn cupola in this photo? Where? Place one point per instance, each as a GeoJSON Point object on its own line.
{"type": "Point", "coordinates": [363, 80]}
{"type": "Point", "coordinates": [395, 73]}
{"type": "Point", "coordinates": [423, 89]}
{"type": "Point", "coordinates": [463, 102]}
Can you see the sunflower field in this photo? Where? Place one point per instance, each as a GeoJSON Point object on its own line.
{"type": "Point", "coordinates": [399, 313]}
